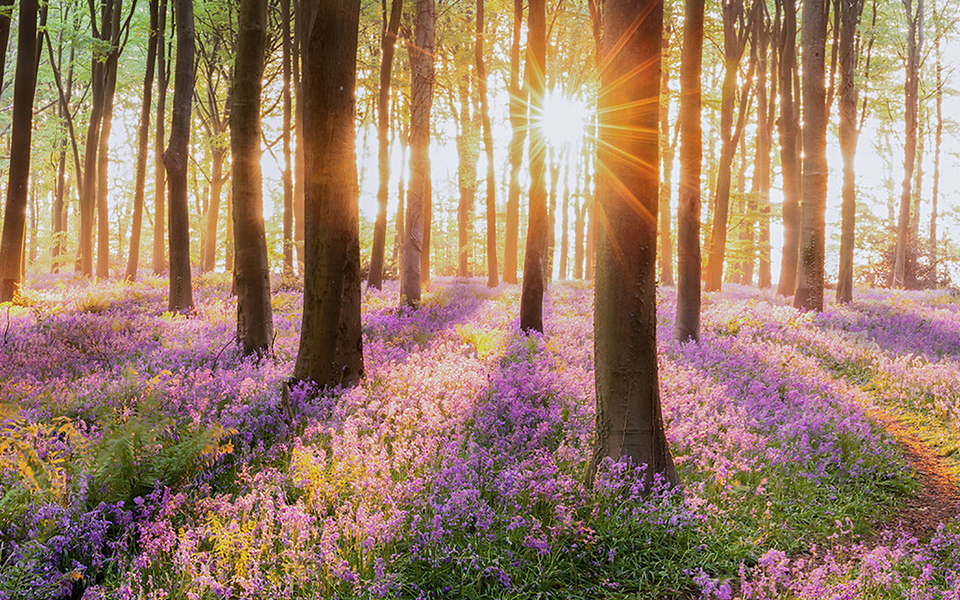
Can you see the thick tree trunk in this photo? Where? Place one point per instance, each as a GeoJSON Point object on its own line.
{"type": "Point", "coordinates": [518, 123]}
{"type": "Point", "coordinates": [687, 325]}
{"type": "Point", "coordinates": [421, 102]}
{"type": "Point", "coordinates": [331, 346]}
{"type": "Point", "coordinates": [850, 11]}
{"type": "Point", "coordinates": [629, 424]}
{"type": "Point", "coordinates": [491, 198]}
{"type": "Point", "coordinates": [666, 242]}
{"type": "Point", "coordinates": [142, 139]}
{"type": "Point", "coordinates": [18, 177]}
{"type": "Point", "coordinates": [911, 94]}
{"type": "Point", "coordinates": [252, 274]}
{"type": "Point", "coordinates": [175, 159]}
{"type": "Point", "coordinates": [789, 150]}
{"type": "Point", "coordinates": [287, 176]}
{"type": "Point", "coordinates": [159, 212]}
{"type": "Point", "coordinates": [535, 258]}
{"type": "Point", "coordinates": [813, 39]}
{"type": "Point", "coordinates": [388, 42]}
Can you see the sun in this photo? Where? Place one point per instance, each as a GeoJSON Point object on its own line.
{"type": "Point", "coordinates": [564, 119]}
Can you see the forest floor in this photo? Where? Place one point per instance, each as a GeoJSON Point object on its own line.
{"type": "Point", "coordinates": [142, 457]}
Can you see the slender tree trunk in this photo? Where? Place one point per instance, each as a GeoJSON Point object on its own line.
{"type": "Point", "coordinates": [398, 240]}
{"type": "Point", "coordinates": [564, 221]}
{"type": "Point", "coordinates": [629, 423]}
{"type": "Point", "coordinates": [467, 176]}
{"type": "Point", "coordinates": [229, 245]}
{"type": "Point", "coordinates": [388, 44]}
{"type": "Point", "coordinates": [813, 38]}
{"type": "Point", "coordinates": [299, 157]}
{"type": "Point", "coordinates": [6, 12]}
{"type": "Point", "coordinates": [850, 11]}
{"type": "Point", "coordinates": [287, 176]}
{"type": "Point", "coordinates": [491, 202]}
{"type": "Point", "coordinates": [18, 176]}
{"type": "Point", "coordinates": [252, 275]}
{"type": "Point", "coordinates": [110, 30]}
{"type": "Point", "coordinates": [159, 221]}
{"type": "Point", "coordinates": [590, 251]}
{"type": "Point", "coordinates": [917, 191]}
{"type": "Point", "coordinates": [142, 139]}
{"type": "Point", "coordinates": [331, 346]}
{"type": "Point", "coordinates": [666, 243]}
{"type": "Point", "coordinates": [553, 159]}
{"type": "Point", "coordinates": [534, 263]}
{"type": "Point", "coordinates": [764, 148]}
{"type": "Point", "coordinates": [421, 102]}
{"type": "Point", "coordinates": [518, 122]}
{"type": "Point", "coordinates": [934, 201]}
{"type": "Point", "coordinates": [209, 254]}
{"type": "Point", "coordinates": [687, 325]}
{"type": "Point", "coordinates": [911, 94]}
{"type": "Point", "coordinates": [175, 159]}
{"type": "Point", "coordinates": [88, 194]}
{"type": "Point", "coordinates": [789, 150]}
{"type": "Point", "coordinates": [60, 201]}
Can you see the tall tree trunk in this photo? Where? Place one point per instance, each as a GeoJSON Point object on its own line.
{"type": "Point", "coordinates": [175, 159]}
{"type": "Point", "coordinates": [813, 39]}
{"type": "Point", "coordinates": [911, 96]}
{"type": "Point", "coordinates": [789, 149]}
{"type": "Point", "coordinates": [142, 139]}
{"type": "Point", "coordinates": [534, 263]}
{"type": "Point", "coordinates": [917, 191]}
{"type": "Point", "coordinates": [687, 325]}
{"type": "Point", "coordinates": [934, 201]}
{"type": "Point", "coordinates": [467, 175]}
{"type": "Point", "coordinates": [590, 250]}
{"type": "Point", "coordinates": [666, 243]}
{"type": "Point", "coordinates": [286, 59]}
{"type": "Point", "coordinates": [60, 202]}
{"type": "Point", "coordinates": [398, 240]}
{"type": "Point", "coordinates": [110, 30]}
{"type": "Point", "coordinates": [331, 346]}
{"type": "Point", "coordinates": [764, 148]}
{"type": "Point", "coordinates": [299, 157]}
{"type": "Point", "coordinates": [229, 245]}
{"type": "Point", "coordinates": [388, 43]}
{"type": "Point", "coordinates": [421, 102]}
{"type": "Point", "coordinates": [159, 221]}
{"type": "Point", "coordinates": [6, 12]}
{"type": "Point", "coordinates": [565, 221]}
{"type": "Point", "coordinates": [491, 202]}
{"type": "Point", "coordinates": [553, 158]}
{"type": "Point", "coordinates": [88, 193]}
{"type": "Point", "coordinates": [850, 11]}
{"type": "Point", "coordinates": [209, 254]}
{"type": "Point", "coordinates": [252, 274]}
{"type": "Point", "coordinates": [18, 177]}
{"type": "Point", "coordinates": [629, 423]}
{"type": "Point", "coordinates": [518, 123]}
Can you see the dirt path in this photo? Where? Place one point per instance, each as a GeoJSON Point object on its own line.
{"type": "Point", "coordinates": [938, 500]}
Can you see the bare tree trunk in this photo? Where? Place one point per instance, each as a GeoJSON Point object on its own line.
{"type": "Point", "coordinates": [6, 12]}
{"type": "Point", "coordinates": [687, 325]}
{"type": "Point", "coordinates": [299, 174]}
{"type": "Point", "coordinates": [911, 94]}
{"type": "Point", "coordinates": [937, 144]}
{"type": "Point", "coordinates": [850, 11]}
{"type": "Point", "coordinates": [518, 122]}
{"type": "Point", "coordinates": [813, 38]}
{"type": "Point", "coordinates": [60, 202]}
{"type": "Point", "coordinates": [534, 263]}
{"type": "Point", "coordinates": [629, 424]}
{"type": "Point", "coordinates": [142, 139]}
{"type": "Point", "coordinates": [553, 159]}
{"type": "Point", "coordinates": [789, 150]}
{"type": "Point", "coordinates": [491, 203]}
{"type": "Point", "coordinates": [159, 249]}
{"type": "Point", "coordinates": [331, 346]}
{"type": "Point", "coordinates": [14, 215]}
{"type": "Point", "coordinates": [466, 174]}
{"type": "Point", "coordinates": [565, 221]}
{"type": "Point", "coordinates": [175, 159]}
{"type": "Point", "coordinates": [666, 243]}
{"type": "Point", "coordinates": [209, 254]}
{"type": "Point", "coordinates": [764, 148]}
{"type": "Point", "coordinates": [111, 30]}
{"type": "Point", "coordinates": [252, 275]}
{"type": "Point", "coordinates": [590, 251]}
{"type": "Point", "coordinates": [287, 176]}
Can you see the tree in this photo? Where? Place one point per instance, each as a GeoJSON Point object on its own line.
{"type": "Point", "coordinates": [911, 100]}
{"type": "Point", "coordinates": [534, 263]}
{"type": "Point", "coordinates": [252, 270]}
{"type": "Point", "coordinates": [850, 11]}
{"type": "Point", "coordinates": [518, 123]}
{"type": "Point", "coordinates": [388, 44]}
{"type": "Point", "coordinates": [789, 148]}
{"type": "Point", "coordinates": [331, 346]}
{"type": "Point", "coordinates": [286, 46]}
{"type": "Point", "coordinates": [813, 38]}
{"type": "Point", "coordinates": [159, 222]}
{"type": "Point", "coordinates": [142, 139]}
{"type": "Point", "coordinates": [666, 243]}
{"type": "Point", "coordinates": [628, 419]}
{"type": "Point", "coordinates": [687, 326]}
{"type": "Point", "coordinates": [491, 198]}
{"type": "Point", "coordinates": [421, 102]}
{"type": "Point", "coordinates": [175, 160]}
{"type": "Point", "coordinates": [15, 208]}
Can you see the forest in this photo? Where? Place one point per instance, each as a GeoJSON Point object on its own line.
{"type": "Point", "coordinates": [605, 299]}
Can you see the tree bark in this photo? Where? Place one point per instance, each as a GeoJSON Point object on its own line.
{"type": "Point", "coordinates": [388, 44]}
{"type": "Point", "coordinates": [466, 174]}
{"type": "Point", "coordinates": [789, 150]}
{"type": "Point", "coordinates": [629, 424]}
{"type": "Point", "coordinates": [111, 30]}
{"type": "Point", "coordinates": [518, 123]}
{"type": "Point", "coordinates": [331, 346]}
{"type": "Point", "coordinates": [287, 176]}
{"type": "Point", "coordinates": [491, 198]}
{"type": "Point", "coordinates": [687, 325]}
{"type": "Point", "coordinates": [142, 139]}
{"type": "Point", "coordinates": [764, 148]}
{"type": "Point", "coordinates": [934, 201]}
{"type": "Point", "coordinates": [911, 98]}
{"type": "Point", "coordinates": [666, 242]}
{"type": "Point", "coordinates": [18, 176]}
{"type": "Point", "coordinates": [175, 160]}
{"type": "Point", "coordinates": [159, 222]}
{"type": "Point", "coordinates": [421, 102]}
{"type": "Point", "coordinates": [209, 254]}
{"type": "Point", "coordinates": [535, 258]}
{"type": "Point", "coordinates": [299, 175]}
{"type": "Point", "coordinates": [813, 39]}
{"type": "Point", "coordinates": [252, 269]}
{"type": "Point", "coordinates": [565, 221]}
